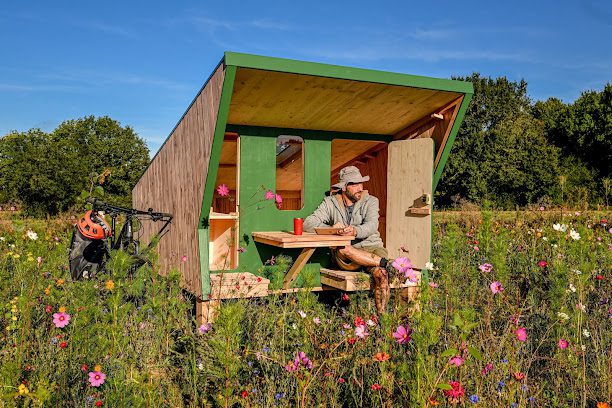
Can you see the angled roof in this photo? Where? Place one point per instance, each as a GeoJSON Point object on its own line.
{"type": "Point", "coordinates": [275, 92]}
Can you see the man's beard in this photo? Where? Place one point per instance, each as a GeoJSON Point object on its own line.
{"type": "Point", "coordinates": [352, 197]}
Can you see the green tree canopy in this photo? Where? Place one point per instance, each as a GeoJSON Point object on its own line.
{"type": "Point", "coordinates": [47, 172]}
{"type": "Point", "coordinates": [500, 153]}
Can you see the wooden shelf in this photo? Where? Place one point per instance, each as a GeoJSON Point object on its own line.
{"type": "Point", "coordinates": [222, 216]}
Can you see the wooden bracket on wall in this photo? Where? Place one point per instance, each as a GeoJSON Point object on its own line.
{"type": "Point", "coordinates": [437, 116]}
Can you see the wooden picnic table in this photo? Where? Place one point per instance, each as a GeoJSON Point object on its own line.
{"type": "Point", "coordinates": [308, 241]}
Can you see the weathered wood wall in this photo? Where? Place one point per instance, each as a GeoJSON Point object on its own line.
{"type": "Point", "coordinates": [174, 183]}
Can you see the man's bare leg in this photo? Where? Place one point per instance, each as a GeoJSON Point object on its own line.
{"type": "Point", "coordinates": [381, 289]}
{"type": "Point", "coordinates": [360, 257]}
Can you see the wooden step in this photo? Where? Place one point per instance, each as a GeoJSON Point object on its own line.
{"type": "Point", "coordinates": [353, 281]}
{"type": "Point", "coordinates": [233, 285]}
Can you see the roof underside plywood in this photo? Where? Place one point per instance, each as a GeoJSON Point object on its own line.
{"type": "Point", "coordinates": [297, 101]}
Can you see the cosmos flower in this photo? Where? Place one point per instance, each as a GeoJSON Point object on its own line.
{"type": "Point", "coordinates": [223, 190]}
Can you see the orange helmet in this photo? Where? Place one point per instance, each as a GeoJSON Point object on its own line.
{"type": "Point", "coordinates": [93, 227]}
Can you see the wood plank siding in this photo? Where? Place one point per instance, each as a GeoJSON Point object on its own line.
{"type": "Point", "coordinates": [174, 183]}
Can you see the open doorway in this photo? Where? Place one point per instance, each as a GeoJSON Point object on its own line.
{"type": "Point", "coordinates": [370, 157]}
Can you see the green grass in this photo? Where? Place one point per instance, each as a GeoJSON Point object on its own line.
{"type": "Point", "coordinates": [141, 333]}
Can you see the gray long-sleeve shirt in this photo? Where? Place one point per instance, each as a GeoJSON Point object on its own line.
{"type": "Point", "coordinates": [364, 218]}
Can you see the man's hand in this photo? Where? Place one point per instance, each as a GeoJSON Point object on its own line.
{"type": "Point", "coordinates": [350, 230]}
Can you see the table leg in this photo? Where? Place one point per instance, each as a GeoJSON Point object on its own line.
{"type": "Point", "coordinates": [297, 266]}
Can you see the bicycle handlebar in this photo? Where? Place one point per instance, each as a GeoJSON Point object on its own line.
{"type": "Point", "coordinates": [101, 205]}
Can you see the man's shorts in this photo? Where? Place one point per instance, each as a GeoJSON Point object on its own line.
{"type": "Point", "coordinates": [347, 265]}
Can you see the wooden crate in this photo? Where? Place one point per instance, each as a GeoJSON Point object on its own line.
{"type": "Point", "coordinates": [353, 281]}
{"type": "Point", "coordinates": [232, 285]}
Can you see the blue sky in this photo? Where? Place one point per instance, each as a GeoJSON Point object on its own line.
{"type": "Point", "coordinates": [142, 62]}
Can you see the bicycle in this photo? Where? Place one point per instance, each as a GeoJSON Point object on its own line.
{"type": "Point", "coordinates": [93, 239]}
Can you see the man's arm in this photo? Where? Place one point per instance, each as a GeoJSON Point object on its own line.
{"type": "Point", "coordinates": [370, 221]}
{"type": "Point", "coordinates": [321, 217]}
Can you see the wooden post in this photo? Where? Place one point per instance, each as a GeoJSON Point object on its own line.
{"type": "Point", "coordinates": [207, 310]}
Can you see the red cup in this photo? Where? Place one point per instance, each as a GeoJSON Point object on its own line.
{"type": "Point", "coordinates": [298, 225]}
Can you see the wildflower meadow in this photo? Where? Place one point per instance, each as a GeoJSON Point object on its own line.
{"type": "Point", "coordinates": [515, 311]}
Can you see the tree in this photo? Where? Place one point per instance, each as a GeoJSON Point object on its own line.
{"type": "Point", "coordinates": [104, 144]}
{"type": "Point", "coordinates": [470, 169]}
{"type": "Point", "coordinates": [47, 172]}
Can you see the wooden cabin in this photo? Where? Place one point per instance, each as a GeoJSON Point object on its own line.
{"type": "Point", "coordinates": [262, 124]}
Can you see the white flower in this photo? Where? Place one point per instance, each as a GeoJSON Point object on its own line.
{"type": "Point", "coordinates": [316, 320]}
{"type": "Point", "coordinates": [572, 288]}
{"type": "Point", "coordinates": [577, 272]}
{"type": "Point", "coordinates": [200, 366]}
{"type": "Point", "coordinates": [545, 239]}
{"type": "Point", "coordinates": [361, 332]}
{"type": "Point", "coordinates": [429, 265]}
{"type": "Point", "coordinates": [575, 235]}
{"type": "Point", "coordinates": [370, 323]}
{"type": "Point", "coordinates": [2, 239]}
{"type": "Point", "coordinates": [32, 235]}
{"type": "Point", "coordinates": [563, 316]}
{"type": "Point", "coordinates": [586, 333]}
{"type": "Point", "coordinates": [294, 326]}
{"type": "Point", "coordinates": [302, 314]}
{"type": "Point", "coordinates": [555, 246]}
{"type": "Point", "coordinates": [583, 347]}
{"type": "Point", "coordinates": [560, 227]}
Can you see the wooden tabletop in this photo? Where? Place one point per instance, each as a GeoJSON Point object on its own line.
{"type": "Point", "coordinates": [284, 239]}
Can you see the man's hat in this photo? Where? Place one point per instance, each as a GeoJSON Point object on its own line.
{"type": "Point", "coordinates": [350, 174]}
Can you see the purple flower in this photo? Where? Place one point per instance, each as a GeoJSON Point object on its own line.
{"type": "Point", "coordinates": [205, 328]}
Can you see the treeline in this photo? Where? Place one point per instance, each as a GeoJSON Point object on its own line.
{"type": "Point", "coordinates": [511, 151]}
{"type": "Point", "coordinates": [46, 173]}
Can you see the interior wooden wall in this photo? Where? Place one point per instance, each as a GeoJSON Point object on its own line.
{"type": "Point", "coordinates": [373, 163]}
{"type": "Point", "coordinates": [174, 183]}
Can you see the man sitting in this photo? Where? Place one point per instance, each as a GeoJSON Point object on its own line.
{"type": "Point", "coordinates": [356, 213]}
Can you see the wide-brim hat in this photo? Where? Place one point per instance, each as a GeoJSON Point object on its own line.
{"type": "Point", "coordinates": [350, 174]}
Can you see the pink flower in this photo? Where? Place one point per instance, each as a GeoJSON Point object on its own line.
{"type": "Point", "coordinates": [563, 344]}
{"type": "Point", "coordinates": [403, 334]}
{"type": "Point", "coordinates": [376, 387]}
{"type": "Point", "coordinates": [96, 378]}
{"type": "Point", "coordinates": [410, 275]}
{"type": "Point", "coordinates": [184, 258]}
{"type": "Point", "coordinates": [402, 264]}
{"type": "Point", "coordinates": [279, 201]}
{"type": "Point", "coordinates": [521, 334]}
{"type": "Point", "coordinates": [496, 287]}
{"type": "Point", "coordinates": [269, 195]}
{"type": "Point", "coordinates": [361, 332]}
{"type": "Point", "coordinates": [542, 208]}
{"type": "Point", "coordinates": [61, 319]}
{"type": "Point", "coordinates": [223, 190]}
{"type": "Point", "coordinates": [487, 368]}
{"type": "Point", "coordinates": [476, 248]}
{"type": "Point", "coordinates": [542, 264]}
{"type": "Point", "coordinates": [316, 320]}
{"type": "Point", "coordinates": [433, 285]}
{"type": "Point", "coordinates": [39, 261]}
{"type": "Point", "coordinates": [486, 267]}
{"type": "Point", "coordinates": [456, 361]}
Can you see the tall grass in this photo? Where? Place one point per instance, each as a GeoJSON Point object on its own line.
{"type": "Point", "coordinates": [303, 349]}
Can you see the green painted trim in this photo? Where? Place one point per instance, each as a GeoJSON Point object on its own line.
{"type": "Point", "coordinates": [451, 140]}
{"type": "Point", "coordinates": [306, 133]}
{"type": "Point", "coordinates": [203, 250]}
{"type": "Point", "coordinates": [341, 72]}
{"type": "Point", "coordinates": [211, 175]}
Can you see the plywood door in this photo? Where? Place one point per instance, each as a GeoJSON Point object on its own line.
{"type": "Point", "coordinates": [409, 178]}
